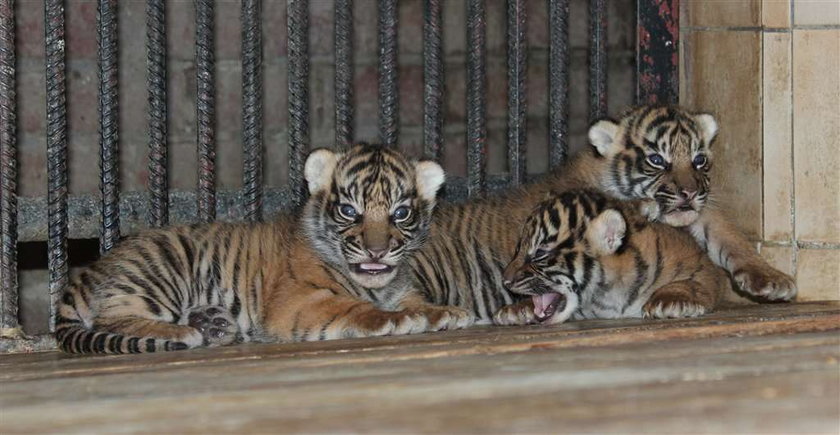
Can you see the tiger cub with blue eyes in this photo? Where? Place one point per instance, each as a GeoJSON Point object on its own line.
{"type": "Point", "coordinates": [335, 270]}
{"type": "Point", "coordinates": [583, 256]}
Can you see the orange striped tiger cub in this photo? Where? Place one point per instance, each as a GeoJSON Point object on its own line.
{"type": "Point", "coordinates": [582, 256]}
{"type": "Point", "coordinates": [659, 156]}
{"type": "Point", "coordinates": [335, 270]}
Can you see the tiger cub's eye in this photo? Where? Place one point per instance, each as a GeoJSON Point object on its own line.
{"type": "Point", "coordinates": [656, 160]}
{"type": "Point", "coordinates": [401, 214]}
{"type": "Point", "coordinates": [699, 161]}
{"type": "Point", "coordinates": [348, 211]}
{"type": "Point", "coordinates": [539, 254]}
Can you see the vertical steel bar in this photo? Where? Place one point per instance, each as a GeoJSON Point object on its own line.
{"type": "Point", "coordinates": [558, 70]}
{"type": "Point", "coordinates": [156, 70]}
{"type": "Point", "coordinates": [343, 72]}
{"type": "Point", "coordinates": [252, 81]}
{"type": "Point", "coordinates": [597, 59]}
{"type": "Point", "coordinates": [476, 96]}
{"type": "Point", "coordinates": [56, 150]}
{"type": "Point", "coordinates": [657, 51]}
{"type": "Point", "coordinates": [8, 173]}
{"type": "Point", "coordinates": [106, 22]}
{"type": "Point", "coordinates": [432, 79]}
{"type": "Point", "coordinates": [298, 40]}
{"type": "Point", "coordinates": [205, 109]}
{"type": "Point", "coordinates": [389, 116]}
{"type": "Point", "coordinates": [517, 93]}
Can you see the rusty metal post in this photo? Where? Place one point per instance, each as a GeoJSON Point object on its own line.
{"type": "Point", "coordinates": [252, 138]}
{"type": "Point", "coordinates": [558, 82]}
{"type": "Point", "coordinates": [156, 77]}
{"type": "Point", "coordinates": [597, 59]}
{"type": "Point", "coordinates": [205, 102]}
{"type": "Point", "coordinates": [657, 51]}
{"type": "Point", "coordinates": [298, 41]}
{"type": "Point", "coordinates": [56, 150]}
{"type": "Point", "coordinates": [476, 97]}
{"type": "Point", "coordinates": [517, 57]}
{"type": "Point", "coordinates": [343, 72]}
{"type": "Point", "coordinates": [8, 173]}
{"type": "Point", "coordinates": [106, 23]}
{"type": "Point", "coordinates": [433, 83]}
{"type": "Point", "coordinates": [389, 95]}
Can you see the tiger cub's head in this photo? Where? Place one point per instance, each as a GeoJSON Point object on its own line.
{"type": "Point", "coordinates": [370, 207]}
{"type": "Point", "coordinates": [661, 153]}
{"type": "Point", "coordinates": [558, 249]}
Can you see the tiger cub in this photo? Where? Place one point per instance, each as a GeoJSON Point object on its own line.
{"type": "Point", "coordinates": [336, 269]}
{"type": "Point", "coordinates": [656, 156]}
{"type": "Point", "coordinates": [582, 256]}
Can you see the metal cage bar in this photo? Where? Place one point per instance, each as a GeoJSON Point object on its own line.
{"type": "Point", "coordinates": [109, 171]}
{"type": "Point", "coordinates": [343, 72]}
{"type": "Point", "coordinates": [8, 172]}
{"type": "Point", "coordinates": [476, 97]}
{"type": "Point", "coordinates": [56, 150]}
{"type": "Point", "coordinates": [389, 116]}
{"type": "Point", "coordinates": [433, 84]}
{"type": "Point", "coordinates": [298, 76]}
{"type": "Point", "coordinates": [252, 125]}
{"type": "Point", "coordinates": [558, 81]}
{"type": "Point", "coordinates": [156, 78]}
{"type": "Point", "coordinates": [517, 57]}
{"type": "Point", "coordinates": [205, 102]}
{"type": "Point", "coordinates": [657, 51]}
{"type": "Point", "coordinates": [597, 59]}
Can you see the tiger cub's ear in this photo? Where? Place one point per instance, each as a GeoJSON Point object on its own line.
{"type": "Point", "coordinates": [606, 232]}
{"type": "Point", "coordinates": [430, 178]}
{"type": "Point", "coordinates": [708, 126]}
{"type": "Point", "coordinates": [602, 136]}
{"type": "Point", "coordinates": [319, 169]}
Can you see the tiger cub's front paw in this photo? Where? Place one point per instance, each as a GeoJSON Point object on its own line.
{"type": "Point", "coordinates": [650, 209]}
{"type": "Point", "coordinates": [674, 301]}
{"type": "Point", "coordinates": [216, 325]}
{"type": "Point", "coordinates": [765, 282]}
{"type": "Point", "coordinates": [520, 313]}
{"type": "Point", "coordinates": [448, 317]}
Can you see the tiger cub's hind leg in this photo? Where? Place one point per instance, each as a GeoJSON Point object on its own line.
{"type": "Point", "coordinates": [132, 326]}
{"type": "Point", "coordinates": [679, 299]}
{"type": "Point", "coordinates": [216, 325]}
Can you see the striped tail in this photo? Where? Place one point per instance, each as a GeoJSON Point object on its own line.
{"type": "Point", "coordinates": [73, 337]}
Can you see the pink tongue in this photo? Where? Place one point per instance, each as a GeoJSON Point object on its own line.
{"type": "Point", "coordinates": [544, 304]}
{"type": "Point", "coordinates": [373, 266]}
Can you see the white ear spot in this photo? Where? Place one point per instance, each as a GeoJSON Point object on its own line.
{"type": "Point", "coordinates": [606, 232]}
{"type": "Point", "coordinates": [602, 135]}
{"type": "Point", "coordinates": [708, 126]}
{"type": "Point", "coordinates": [430, 177]}
{"type": "Point", "coordinates": [319, 168]}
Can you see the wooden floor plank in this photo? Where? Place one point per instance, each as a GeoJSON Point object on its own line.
{"type": "Point", "coordinates": [771, 368]}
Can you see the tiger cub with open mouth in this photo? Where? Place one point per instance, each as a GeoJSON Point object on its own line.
{"type": "Point", "coordinates": [584, 256]}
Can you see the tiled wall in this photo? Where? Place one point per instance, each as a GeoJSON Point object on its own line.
{"type": "Point", "coordinates": [770, 71]}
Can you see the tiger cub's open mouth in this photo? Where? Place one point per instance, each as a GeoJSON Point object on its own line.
{"type": "Point", "coordinates": [546, 304]}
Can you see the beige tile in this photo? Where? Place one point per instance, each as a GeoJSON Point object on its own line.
{"type": "Point", "coordinates": [818, 275]}
{"type": "Point", "coordinates": [780, 257]}
{"type": "Point", "coordinates": [726, 13]}
{"type": "Point", "coordinates": [723, 75]}
{"type": "Point", "coordinates": [775, 13]}
{"type": "Point", "coordinates": [816, 134]}
{"type": "Point", "coordinates": [816, 12]}
{"type": "Point", "coordinates": [778, 146]}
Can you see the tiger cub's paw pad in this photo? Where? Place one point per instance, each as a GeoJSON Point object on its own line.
{"type": "Point", "coordinates": [765, 282]}
{"type": "Point", "coordinates": [672, 309]}
{"type": "Point", "coordinates": [521, 313]}
{"type": "Point", "coordinates": [216, 325]}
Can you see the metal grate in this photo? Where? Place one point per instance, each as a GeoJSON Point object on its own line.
{"type": "Point", "coordinates": [657, 73]}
